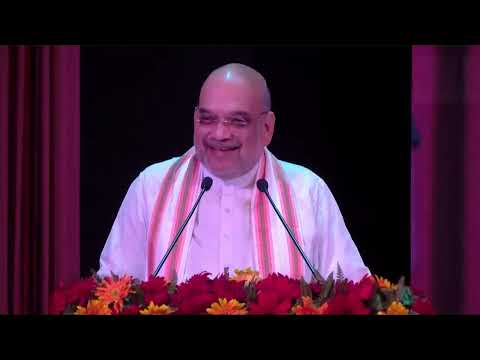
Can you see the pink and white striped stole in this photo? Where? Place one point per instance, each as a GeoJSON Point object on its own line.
{"type": "Point", "coordinates": [264, 213]}
{"type": "Point", "coordinates": [190, 185]}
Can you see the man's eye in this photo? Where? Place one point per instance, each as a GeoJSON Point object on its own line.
{"type": "Point", "coordinates": [239, 121]}
{"type": "Point", "coordinates": [206, 118]}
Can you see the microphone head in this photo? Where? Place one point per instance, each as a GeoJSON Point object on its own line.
{"type": "Point", "coordinates": [207, 183]}
{"type": "Point", "coordinates": [262, 185]}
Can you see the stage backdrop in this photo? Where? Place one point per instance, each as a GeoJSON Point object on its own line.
{"type": "Point", "coordinates": [446, 176]}
{"type": "Point", "coordinates": [343, 112]}
{"type": "Point", "coordinates": [39, 174]}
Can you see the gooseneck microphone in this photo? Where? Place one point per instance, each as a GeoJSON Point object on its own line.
{"type": "Point", "coordinates": [262, 186]}
{"type": "Point", "coordinates": [206, 185]}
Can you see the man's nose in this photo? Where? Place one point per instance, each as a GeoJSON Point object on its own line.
{"type": "Point", "coordinates": [222, 131]}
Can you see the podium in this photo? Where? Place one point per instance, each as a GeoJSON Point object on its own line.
{"type": "Point", "coordinates": [242, 293]}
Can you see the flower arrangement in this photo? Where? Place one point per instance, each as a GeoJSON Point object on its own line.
{"type": "Point", "coordinates": [241, 294]}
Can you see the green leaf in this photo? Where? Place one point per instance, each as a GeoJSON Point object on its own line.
{"type": "Point", "coordinates": [340, 275]}
{"type": "Point", "coordinates": [226, 272]}
{"type": "Point", "coordinates": [390, 295]}
{"type": "Point", "coordinates": [97, 278]}
{"type": "Point", "coordinates": [174, 277]}
{"type": "Point", "coordinates": [251, 292]}
{"type": "Point", "coordinates": [327, 287]}
{"type": "Point", "coordinates": [172, 287]}
{"type": "Point", "coordinates": [377, 303]}
{"type": "Point", "coordinates": [406, 297]}
{"type": "Point", "coordinates": [320, 278]}
{"type": "Point", "coordinates": [137, 297]}
{"type": "Point", "coordinates": [70, 309]}
{"type": "Point", "coordinates": [305, 288]}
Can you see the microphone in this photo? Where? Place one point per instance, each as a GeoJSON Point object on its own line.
{"type": "Point", "coordinates": [206, 185]}
{"type": "Point", "coordinates": [262, 186]}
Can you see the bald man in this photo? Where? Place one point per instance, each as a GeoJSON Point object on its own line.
{"type": "Point", "coordinates": [234, 225]}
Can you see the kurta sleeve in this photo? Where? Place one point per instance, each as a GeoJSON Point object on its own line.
{"type": "Point", "coordinates": [336, 245]}
{"type": "Point", "coordinates": [124, 250]}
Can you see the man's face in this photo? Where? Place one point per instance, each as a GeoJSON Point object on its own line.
{"type": "Point", "coordinates": [231, 149]}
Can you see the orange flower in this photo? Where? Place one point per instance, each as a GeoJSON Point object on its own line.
{"type": "Point", "coordinates": [94, 307]}
{"type": "Point", "coordinates": [384, 283]}
{"type": "Point", "coordinates": [224, 307]}
{"type": "Point", "coordinates": [397, 308]}
{"type": "Point", "coordinates": [153, 309]}
{"type": "Point", "coordinates": [114, 291]}
{"type": "Point", "coordinates": [248, 275]}
{"type": "Point", "coordinates": [308, 307]}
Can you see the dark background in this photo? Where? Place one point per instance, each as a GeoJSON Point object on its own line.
{"type": "Point", "coordinates": [343, 112]}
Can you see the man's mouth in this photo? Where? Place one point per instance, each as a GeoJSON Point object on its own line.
{"type": "Point", "coordinates": [222, 148]}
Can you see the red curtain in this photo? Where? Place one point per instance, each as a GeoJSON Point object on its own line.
{"type": "Point", "coordinates": [445, 198]}
{"type": "Point", "coordinates": [39, 174]}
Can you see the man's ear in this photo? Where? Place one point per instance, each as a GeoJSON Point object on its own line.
{"type": "Point", "coordinates": [195, 114]}
{"type": "Point", "coordinates": [269, 127]}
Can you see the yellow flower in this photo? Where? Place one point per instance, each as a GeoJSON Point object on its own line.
{"type": "Point", "coordinates": [397, 308]}
{"type": "Point", "coordinates": [153, 309]}
{"type": "Point", "coordinates": [249, 275]}
{"type": "Point", "coordinates": [384, 283]}
{"type": "Point", "coordinates": [224, 307]}
{"type": "Point", "coordinates": [94, 307]}
{"type": "Point", "coordinates": [308, 307]}
{"type": "Point", "coordinates": [114, 291]}
{"type": "Point", "coordinates": [381, 313]}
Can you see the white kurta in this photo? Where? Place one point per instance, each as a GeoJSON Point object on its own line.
{"type": "Point", "coordinates": [222, 230]}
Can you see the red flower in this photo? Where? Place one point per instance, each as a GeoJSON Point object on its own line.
{"type": "Point", "coordinates": [155, 290]}
{"type": "Point", "coordinates": [276, 295]}
{"type": "Point", "coordinates": [57, 302]}
{"type": "Point", "coordinates": [80, 292]}
{"type": "Point", "coordinates": [366, 288]}
{"type": "Point", "coordinates": [316, 288]}
{"type": "Point", "coordinates": [423, 306]}
{"type": "Point", "coordinates": [77, 294]}
{"type": "Point", "coordinates": [271, 303]}
{"type": "Point", "coordinates": [352, 298]}
{"type": "Point", "coordinates": [343, 286]}
{"type": "Point", "coordinates": [228, 289]}
{"type": "Point", "coordinates": [347, 303]}
{"type": "Point", "coordinates": [199, 292]}
{"type": "Point", "coordinates": [280, 284]}
{"type": "Point", "coordinates": [130, 310]}
{"type": "Point", "coordinates": [417, 292]}
{"type": "Point", "coordinates": [195, 295]}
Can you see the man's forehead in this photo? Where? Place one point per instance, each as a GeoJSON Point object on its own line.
{"type": "Point", "coordinates": [237, 71]}
{"type": "Point", "coordinates": [235, 85]}
{"type": "Point", "coordinates": [206, 110]}
{"type": "Point", "coordinates": [230, 94]}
